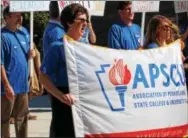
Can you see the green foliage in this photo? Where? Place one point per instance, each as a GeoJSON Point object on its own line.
{"type": "Point", "coordinates": [40, 22]}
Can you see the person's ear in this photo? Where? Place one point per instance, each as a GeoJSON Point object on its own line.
{"type": "Point", "coordinates": [69, 25]}
{"type": "Point", "coordinates": [5, 18]}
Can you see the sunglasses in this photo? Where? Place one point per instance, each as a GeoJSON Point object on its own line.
{"type": "Point", "coordinates": [82, 20]}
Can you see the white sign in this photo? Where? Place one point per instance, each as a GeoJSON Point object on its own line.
{"type": "Point", "coordinates": [145, 6]}
{"type": "Point", "coordinates": [94, 7]}
{"type": "Point", "coordinates": [119, 96]}
{"type": "Point", "coordinates": [27, 6]}
{"type": "Point", "coordinates": [181, 6]}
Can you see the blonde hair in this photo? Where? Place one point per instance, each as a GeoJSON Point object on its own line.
{"type": "Point", "coordinates": [154, 23]}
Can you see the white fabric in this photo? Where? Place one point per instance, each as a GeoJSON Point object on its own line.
{"type": "Point", "coordinates": [92, 112]}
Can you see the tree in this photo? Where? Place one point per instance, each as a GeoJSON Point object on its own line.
{"type": "Point", "coordinates": [40, 22]}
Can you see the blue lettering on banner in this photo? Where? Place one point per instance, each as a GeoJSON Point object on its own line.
{"type": "Point", "coordinates": [173, 75]}
{"type": "Point", "coordinates": [178, 97]}
{"type": "Point", "coordinates": [140, 77]}
{"type": "Point", "coordinates": [163, 71]}
{"type": "Point", "coordinates": [154, 73]}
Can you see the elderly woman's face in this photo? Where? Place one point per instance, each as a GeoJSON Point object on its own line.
{"type": "Point", "coordinates": [79, 24]}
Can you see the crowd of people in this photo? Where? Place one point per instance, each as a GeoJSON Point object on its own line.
{"type": "Point", "coordinates": [73, 21]}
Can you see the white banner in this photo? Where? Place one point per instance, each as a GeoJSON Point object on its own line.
{"type": "Point", "coordinates": [145, 6]}
{"type": "Point", "coordinates": [181, 6]}
{"type": "Point", "coordinates": [127, 93]}
{"type": "Point", "coordinates": [27, 6]}
{"type": "Point", "coordinates": [94, 7]}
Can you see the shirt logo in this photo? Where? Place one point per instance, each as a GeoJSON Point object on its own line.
{"type": "Point", "coordinates": [23, 42]}
{"type": "Point", "coordinates": [138, 37]}
{"type": "Point", "coordinates": [15, 47]}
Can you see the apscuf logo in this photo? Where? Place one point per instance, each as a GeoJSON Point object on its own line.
{"type": "Point", "coordinates": [114, 79]}
{"type": "Point", "coordinates": [119, 76]}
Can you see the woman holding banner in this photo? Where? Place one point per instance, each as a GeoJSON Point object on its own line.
{"type": "Point", "coordinates": [160, 32]}
{"type": "Point", "coordinates": [53, 74]}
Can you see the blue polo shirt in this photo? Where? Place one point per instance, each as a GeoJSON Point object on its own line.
{"type": "Point", "coordinates": [121, 36]}
{"type": "Point", "coordinates": [54, 64]}
{"type": "Point", "coordinates": [14, 60]}
{"type": "Point", "coordinates": [153, 45]}
{"type": "Point", "coordinates": [24, 30]}
{"type": "Point", "coordinates": [53, 32]}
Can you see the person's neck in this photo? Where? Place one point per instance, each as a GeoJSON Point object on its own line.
{"type": "Point", "coordinates": [161, 42]}
{"type": "Point", "coordinates": [127, 22]}
{"type": "Point", "coordinates": [57, 19]}
{"type": "Point", "coordinates": [72, 34]}
{"type": "Point", "coordinates": [11, 28]}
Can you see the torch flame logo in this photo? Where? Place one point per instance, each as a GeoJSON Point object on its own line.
{"type": "Point", "coordinates": [119, 74]}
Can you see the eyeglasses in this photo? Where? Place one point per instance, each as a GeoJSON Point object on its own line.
{"type": "Point", "coordinates": [82, 20]}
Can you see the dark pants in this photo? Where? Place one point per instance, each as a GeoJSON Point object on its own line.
{"type": "Point", "coordinates": [19, 107]}
{"type": "Point", "coordinates": [186, 76]}
{"type": "Point", "coordinates": [62, 120]}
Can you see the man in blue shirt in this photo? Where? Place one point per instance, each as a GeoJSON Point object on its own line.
{"type": "Point", "coordinates": [54, 30]}
{"type": "Point", "coordinates": [15, 52]}
{"type": "Point", "coordinates": [126, 34]}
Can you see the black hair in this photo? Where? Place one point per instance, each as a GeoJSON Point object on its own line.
{"type": "Point", "coordinates": [6, 12]}
{"type": "Point", "coordinates": [70, 12]}
{"type": "Point", "coordinates": [54, 9]}
{"type": "Point", "coordinates": [122, 4]}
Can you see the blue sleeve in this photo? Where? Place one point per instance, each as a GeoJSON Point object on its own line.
{"type": "Point", "coordinates": [56, 35]}
{"type": "Point", "coordinates": [50, 62]}
{"type": "Point", "coordinates": [113, 38]}
{"type": "Point", "coordinates": [3, 49]}
{"type": "Point", "coordinates": [2, 52]}
{"type": "Point", "coordinates": [153, 45]}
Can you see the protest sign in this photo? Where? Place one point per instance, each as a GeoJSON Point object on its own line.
{"type": "Point", "coordinates": [94, 7]}
{"type": "Point", "coordinates": [181, 6]}
{"type": "Point", "coordinates": [5, 3]}
{"type": "Point", "coordinates": [118, 95]}
{"type": "Point", "coordinates": [27, 6]}
{"type": "Point", "coordinates": [145, 6]}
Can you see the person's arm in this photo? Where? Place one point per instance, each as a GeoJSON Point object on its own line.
{"type": "Point", "coordinates": [9, 92]}
{"type": "Point", "coordinates": [92, 36]}
{"type": "Point", "coordinates": [31, 53]}
{"type": "Point", "coordinates": [51, 88]}
{"type": "Point", "coordinates": [113, 38]}
{"type": "Point", "coordinates": [49, 66]}
{"type": "Point", "coordinates": [37, 60]}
